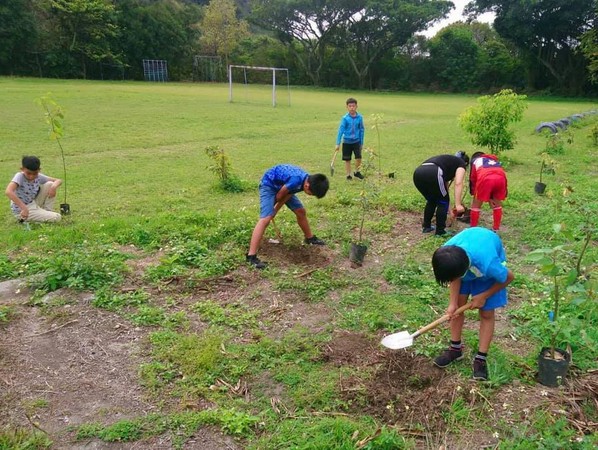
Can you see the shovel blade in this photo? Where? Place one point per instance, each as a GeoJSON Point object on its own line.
{"type": "Point", "coordinates": [331, 170]}
{"type": "Point", "coordinates": [398, 340]}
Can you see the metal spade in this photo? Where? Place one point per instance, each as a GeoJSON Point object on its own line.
{"type": "Point", "coordinates": [404, 339]}
{"type": "Point", "coordinates": [332, 162]}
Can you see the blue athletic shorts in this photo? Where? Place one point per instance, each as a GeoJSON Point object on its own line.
{"type": "Point", "coordinates": [480, 285]}
{"type": "Point", "coordinates": [268, 200]}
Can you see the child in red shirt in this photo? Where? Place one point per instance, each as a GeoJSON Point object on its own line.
{"type": "Point", "coordinates": [487, 183]}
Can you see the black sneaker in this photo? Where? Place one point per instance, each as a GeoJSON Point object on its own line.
{"type": "Point", "coordinates": [428, 229]}
{"type": "Point", "coordinates": [359, 175]}
{"type": "Point", "coordinates": [480, 371]}
{"type": "Point", "coordinates": [349, 177]}
{"type": "Point", "coordinates": [444, 233]}
{"type": "Point", "coordinates": [448, 356]}
{"type": "Point", "coordinates": [314, 240]}
{"type": "Point", "coordinates": [254, 261]}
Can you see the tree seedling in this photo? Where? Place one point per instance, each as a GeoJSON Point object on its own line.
{"type": "Point", "coordinates": [54, 118]}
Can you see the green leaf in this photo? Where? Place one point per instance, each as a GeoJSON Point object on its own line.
{"type": "Point", "coordinates": [571, 277]}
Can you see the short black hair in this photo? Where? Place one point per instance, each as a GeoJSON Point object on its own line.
{"type": "Point", "coordinates": [351, 100]}
{"type": "Point", "coordinates": [318, 184]}
{"type": "Point", "coordinates": [449, 263]}
{"type": "Point", "coordinates": [461, 154]}
{"type": "Point", "coordinates": [30, 162]}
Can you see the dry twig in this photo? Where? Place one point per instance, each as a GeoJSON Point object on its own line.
{"type": "Point", "coordinates": [52, 329]}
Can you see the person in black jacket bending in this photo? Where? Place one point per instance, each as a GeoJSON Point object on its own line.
{"type": "Point", "coordinates": [433, 178]}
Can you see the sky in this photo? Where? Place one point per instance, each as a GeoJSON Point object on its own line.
{"type": "Point", "coordinates": [454, 16]}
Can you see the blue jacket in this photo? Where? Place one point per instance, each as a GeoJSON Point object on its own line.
{"type": "Point", "coordinates": [351, 130]}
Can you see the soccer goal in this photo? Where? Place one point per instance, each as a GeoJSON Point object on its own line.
{"type": "Point", "coordinates": [155, 70]}
{"type": "Point", "coordinates": [257, 78]}
{"type": "Point", "coordinates": [208, 68]}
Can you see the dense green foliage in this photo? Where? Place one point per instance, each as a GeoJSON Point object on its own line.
{"type": "Point", "coordinates": [547, 34]}
{"type": "Point", "coordinates": [489, 123]}
{"type": "Point", "coordinates": [372, 44]}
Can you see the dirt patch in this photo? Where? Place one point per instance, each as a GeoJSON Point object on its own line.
{"type": "Point", "coordinates": [307, 256]}
{"type": "Point", "coordinates": [403, 387]}
{"type": "Point", "coordinates": [351, 349]}
{"type": "Point", "coordinates": [76, 364]}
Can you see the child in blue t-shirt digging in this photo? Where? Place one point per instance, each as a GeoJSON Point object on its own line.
{"type": "Point", "coordinates": [277, 188]}
{"type": "Point", "coordinates": [472, 263]}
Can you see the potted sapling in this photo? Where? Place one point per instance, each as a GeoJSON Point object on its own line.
{"type": "Point", "coordinates": [547, 166]}
{"type": "Point", "coordinates": [368, 191]}
{"type": "Point", "coordinates": [563, 268]}
{"type": "Point", "coordinates": [54, 117]}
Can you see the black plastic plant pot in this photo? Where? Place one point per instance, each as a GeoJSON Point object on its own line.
{"type": "Point", "coordinates": [391, 175]}
{"type": "Point", "coordinates": [65, 209]}
{"type": "Point", "coordinates": [539, 188]}
{"type": "Point", "coordinates": [357, 253]}
{"type": "Point", "coordinates": [551, 372]}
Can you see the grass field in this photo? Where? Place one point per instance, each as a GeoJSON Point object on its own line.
{"type": "Point", "coordinates": [152, 237]}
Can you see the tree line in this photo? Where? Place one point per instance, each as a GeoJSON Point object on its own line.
{"type": "Point", "coordinates": [548, 46]}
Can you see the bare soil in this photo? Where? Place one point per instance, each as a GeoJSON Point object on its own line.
{"type": "Point", "coordinates": [83, 362]}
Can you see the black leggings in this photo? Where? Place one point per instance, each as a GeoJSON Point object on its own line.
{"type": "Point", "coordinates": [429, 182]}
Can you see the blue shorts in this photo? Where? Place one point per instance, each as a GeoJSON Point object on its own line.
{"type": "Point", "coordinates": [479, 285]}
{"type": "Point", "coordinates": [268, 200]}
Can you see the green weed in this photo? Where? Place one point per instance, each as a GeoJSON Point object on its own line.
{"type": "Point", "coordinates": [234, 316]}
{"type": "Point", "coordinates": [339, 433]}
{"type": "Point", "coordinates": [6, 314]}
{"type": "Point", "coordinates": [8, 270]}
{"type": "Point", "coordinates": [21, 439]}
{"type": "Point", "coordinates": [368, 309]}
{"type": "Point", "coordinates": [189, 360]}
{"type": "Point", "coordinates": [547, 432]}
{"type": "Point", "coordinates": [81, 269]}
{"type": "Point", "coordinates": [180, 425]}
{"type": "Point", "coordinates": [116, 301]}
{"type": "Point", "coordinates": [315, 287]}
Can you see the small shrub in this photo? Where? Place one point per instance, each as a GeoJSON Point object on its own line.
{"type": "Point", "coordinates": [488, 122]}
{"type": "Point", "coordinates": [222, 167]}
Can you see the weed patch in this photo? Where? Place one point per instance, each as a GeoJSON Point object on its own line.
{"type": "Point", "coordinates": [23, 439]}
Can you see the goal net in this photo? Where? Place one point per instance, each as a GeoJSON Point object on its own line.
{"type": "Point", "coordinates": [155, 70]}
{"type": "Point", "coordinates": [252, 82]}
{"type": "Point", "coordinates": [208, 68]}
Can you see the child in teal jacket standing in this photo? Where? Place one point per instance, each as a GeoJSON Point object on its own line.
{"type": "Point", "coordinates": [351, 132]}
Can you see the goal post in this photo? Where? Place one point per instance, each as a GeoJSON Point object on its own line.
{"type": "Point", "coordinates": [273, 70]}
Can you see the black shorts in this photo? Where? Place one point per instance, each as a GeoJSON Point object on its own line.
{"type": "Point", "coordinates": [349, 149]}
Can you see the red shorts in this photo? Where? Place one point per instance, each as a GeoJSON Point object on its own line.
{"type": "Point", "coordinates": [491, 186]}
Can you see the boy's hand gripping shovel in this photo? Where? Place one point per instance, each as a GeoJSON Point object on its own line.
{"type": "Point", "coordinates": [332, 162]}
{"type": "Point", "coordinates": [404, 339]}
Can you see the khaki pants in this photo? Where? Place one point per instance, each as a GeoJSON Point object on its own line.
{"type": "Point", "coordinates": [41, 209]}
